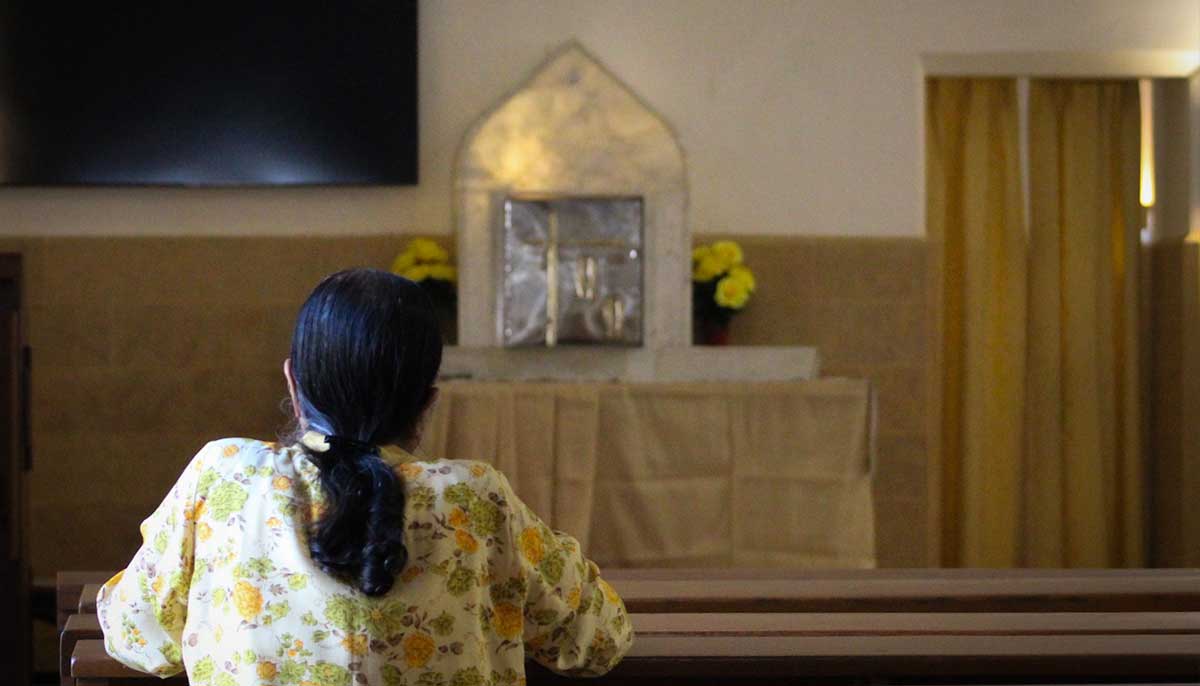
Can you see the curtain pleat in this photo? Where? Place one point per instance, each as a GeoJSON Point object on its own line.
{"type": "Point", "coordinates": [1084, 457]}
{"type": "Point", "coordinates": [975, 212]}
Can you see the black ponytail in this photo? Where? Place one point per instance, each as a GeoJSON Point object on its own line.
{"type": "Point", "coordinates": [365, 354]}
{"type": "Point", "coordinates": [360, 536]}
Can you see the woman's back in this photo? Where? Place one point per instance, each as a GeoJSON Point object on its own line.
{"type": "Point", "coordinates": [226, 584]}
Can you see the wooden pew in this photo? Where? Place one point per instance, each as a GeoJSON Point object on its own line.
{"type": "Point", "coordinates": [68, 590]}
{"type": "Point", "coordinates": [907, 590]}
{"type": "Point", "coordinates": [87, 599]}
{"type": "Point", "coordinates": [964, 610]}
{"type": "Point", "coordinates": [875, 590]}
{"type": "Point", "coordinates": [79, 627]}
{"type": "Point", "coordinates": [772, 647]}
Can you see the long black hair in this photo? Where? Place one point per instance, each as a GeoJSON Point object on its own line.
{"type": "Point", "coordinates": [365, 355]}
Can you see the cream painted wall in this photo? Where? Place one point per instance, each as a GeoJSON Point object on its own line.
{"type": "Point", "coordinates": [798, 117]}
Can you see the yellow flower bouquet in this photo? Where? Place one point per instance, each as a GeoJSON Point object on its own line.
{"type": "Point", "coordinates": [721, 287]}
{"type": "Point", "coordinates": [426, 262]}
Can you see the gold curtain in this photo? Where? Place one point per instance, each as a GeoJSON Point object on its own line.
{"type": "Point", "coordinates": [1084, 474]}
{"type": "Point", "coordinates": [975, 212]}
{"type": "Point", "coordinates": [1037, 458]}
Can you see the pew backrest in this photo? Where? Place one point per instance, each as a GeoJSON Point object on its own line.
{"type": "Point", "coordinates": [68, 589]}
{"type": "Point", "coordinates": [87, 599]}
{"type": "Point", "coordinates": [997, 648]}
{"type": "Point", "coordinates": [786, 623]}
{"type": "Point", "coordinates": [960, 590]}
{"type": "Point", "coordinates": [78, 627]}
{"type": "Point", "coordinates": [919, 590]}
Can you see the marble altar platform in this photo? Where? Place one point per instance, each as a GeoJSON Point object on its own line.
{"type": "Point", "coordinates": [676, 364]}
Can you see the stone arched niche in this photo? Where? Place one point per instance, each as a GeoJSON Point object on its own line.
{"type": "Point", "coordinates": [573, 130]}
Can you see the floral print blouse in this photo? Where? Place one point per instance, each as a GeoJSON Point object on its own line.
{"type": "Point", "coordinates": [224, 586]}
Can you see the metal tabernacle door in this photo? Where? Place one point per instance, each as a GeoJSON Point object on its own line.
{"type": "Point", "coordinates": [572, 271]}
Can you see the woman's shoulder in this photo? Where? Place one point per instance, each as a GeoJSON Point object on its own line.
{"type": "Point", "coordinates": [245, 447]}
{"type": "Point", "coordinates": [472, 497]}
{"type": "Point", "coordinates": [237, 454]}
{"type": "Point", "coordinates": [447, 473]}
{"type": "Point", "coordinates": [458, 482]}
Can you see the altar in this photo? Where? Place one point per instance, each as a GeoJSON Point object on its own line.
{"type": "Point", "coordinates": [749, 474]}
{"type": "Point", "coordinates": [576, 373]}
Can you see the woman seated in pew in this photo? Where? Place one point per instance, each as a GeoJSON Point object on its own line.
{"type": "Point", "coordinates": [343, 558]}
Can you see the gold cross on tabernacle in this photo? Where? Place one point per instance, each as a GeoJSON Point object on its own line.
{"type": "Point", "coordinates": [586, 279]}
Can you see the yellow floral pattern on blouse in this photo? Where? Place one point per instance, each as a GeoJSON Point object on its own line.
{"type": "Point", "coordinates": [224, 585]}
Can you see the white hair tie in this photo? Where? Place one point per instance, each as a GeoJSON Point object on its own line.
{"type": "Point", "coordinates": [315, 441]}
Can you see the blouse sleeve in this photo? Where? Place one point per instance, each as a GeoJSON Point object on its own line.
{"type": "Point", "coordinates": [143, 608]}
{"type": "Point", "coordinates": [574, 622]}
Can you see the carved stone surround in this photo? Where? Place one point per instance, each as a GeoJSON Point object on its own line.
{"type": "Point", "coordinates": [573, 129]}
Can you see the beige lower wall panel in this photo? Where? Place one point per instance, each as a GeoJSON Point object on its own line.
{"type": "Point", "coordinates": [1175, 393]}
{"type": "Point", "coordinates": [147, 347]}
{"type": "Point", "coordinates": [863, 304]}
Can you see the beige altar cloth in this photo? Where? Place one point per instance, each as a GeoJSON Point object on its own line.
{"type": "Point", "coordinates": [680, 474]}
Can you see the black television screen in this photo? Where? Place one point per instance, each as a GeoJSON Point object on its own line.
{"type": "Point", "coordinates": [215, 93]}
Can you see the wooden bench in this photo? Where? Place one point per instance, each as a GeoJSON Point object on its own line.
{"type": "Point", "coordinates": [894, 590]}
{"type": "Point", "coordinates": [78, 627]}
{"type": "Point", "coordinates": [1012, 625]}
{"type": "Point", "coordinates": [766, 647]}
{"type": "Point", "coordinates": [68, 592]}
{"type": "Point", "coordinates": [907, 590]}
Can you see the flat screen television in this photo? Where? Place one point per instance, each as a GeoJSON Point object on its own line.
{"type": "Point", "coordinates": [214, 93]}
